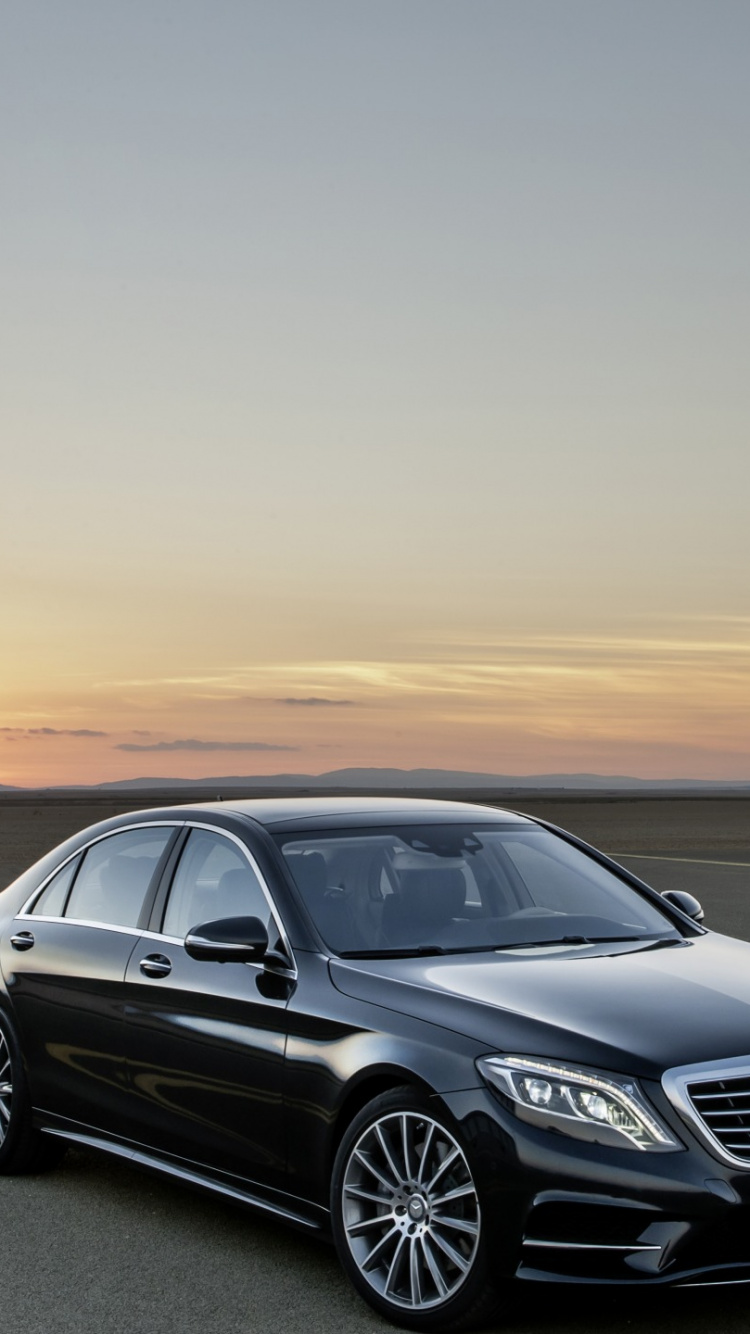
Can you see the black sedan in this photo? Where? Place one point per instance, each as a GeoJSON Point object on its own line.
{"type": "Point", "coordinates": [461, 1042]}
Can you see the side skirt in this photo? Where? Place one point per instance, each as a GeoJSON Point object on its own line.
{"type": "Point", "coordinates": [316, 1220]}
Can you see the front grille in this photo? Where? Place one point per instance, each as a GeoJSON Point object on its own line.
{"type": "Point", "coordinates": [723, 1108]}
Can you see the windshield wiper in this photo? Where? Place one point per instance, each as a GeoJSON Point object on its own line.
{"type": "Point", "coordinates": [424, 951]}
{"type": "Point", "coordinates": [402, 952]}
{"type": "Point", "coordinates": [559, 940]}
{"type": "Point", "coordinates": [647, 943]}
{"type": "Point", "coordinates": [662, 942]}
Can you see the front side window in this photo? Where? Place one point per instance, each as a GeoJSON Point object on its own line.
{"type": "Point", "coordinates": [453, 887]}
{"type": "Point", "coordinates": [116, 875]}
{"type": "Point", "coordinates": [213, 880]}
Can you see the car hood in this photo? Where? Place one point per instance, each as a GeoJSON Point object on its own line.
{"type": "Point", "coordinates": [624, 1007]}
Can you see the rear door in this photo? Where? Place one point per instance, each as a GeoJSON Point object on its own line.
{"type": "Point", "coordinates": [64, 962]}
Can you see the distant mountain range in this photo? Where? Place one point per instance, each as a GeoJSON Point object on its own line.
{"type": "Point", "coordinates": [408, 778]}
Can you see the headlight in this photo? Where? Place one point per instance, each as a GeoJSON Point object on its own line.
{"type": "Point", "coordinates": [604, 1108]}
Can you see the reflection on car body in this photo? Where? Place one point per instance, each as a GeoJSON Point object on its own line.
{"type": "Point", "coordinates": [464, 1044]}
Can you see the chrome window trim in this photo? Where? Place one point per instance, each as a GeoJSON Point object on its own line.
{"type": "Point", "coordinates": [94, 926]}
{"type": "Point", "coordinates": [27, 912]}
{"type": "Point", "coordinates": [675, 1084]}
{"type": "Point", "coordinates": [28, 908]}
{"type": "Point", "coordinates": [157, 935]}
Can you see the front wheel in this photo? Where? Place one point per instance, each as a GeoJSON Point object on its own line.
{"type": "Point", "coordinates": [407, 1219]}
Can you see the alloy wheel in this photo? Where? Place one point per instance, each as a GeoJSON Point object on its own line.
{"type": "Point", "coordinates": [410, 1211]}
{"type": "Point", "coordinates": [6, 1087]}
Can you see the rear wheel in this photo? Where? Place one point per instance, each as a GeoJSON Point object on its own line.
{"type": "Point", "coordinates": [407, 1218]}
{"type": "Point", "coordinates": [22, 1147]}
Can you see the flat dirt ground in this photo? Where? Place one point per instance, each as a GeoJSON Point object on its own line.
{"type": "Point", "coordinates": [683, 825]}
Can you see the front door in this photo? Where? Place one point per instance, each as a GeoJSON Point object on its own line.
{"type": "Point", "coordinates": [205, 1045]}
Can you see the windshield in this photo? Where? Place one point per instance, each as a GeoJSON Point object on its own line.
{"type": "Point", "coordinates": [449, 888]}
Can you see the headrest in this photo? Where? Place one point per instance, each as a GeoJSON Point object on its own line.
{"type": "Point", "coordinates": [237, 893]}
{"type": "Point", "coordinates": [433, 893]}
{"type": "Point", "coordinates": [237, 880]}
{"type": "Point", "coordinates": [310, 873]}
{"type": "Point", "coordinates": [126, 873]}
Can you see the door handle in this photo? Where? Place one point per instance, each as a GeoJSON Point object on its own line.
{"type": "Point", "coordinates": [156, 965]}
{"type": "Point", "coordinates": [23, 941]}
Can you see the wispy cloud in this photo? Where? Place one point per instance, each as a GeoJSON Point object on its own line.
{"type": "Point", "coordinates": [52, 731]}
{"type": "Point", "coordinates": [316, 702]}
{"type": "Point", "coordinates": [192, 743]}
{"type": "Point", "coordinates": [306, 701]}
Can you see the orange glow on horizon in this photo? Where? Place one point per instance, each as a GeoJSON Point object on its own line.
{"type": "Point", "coordinates": [642, 706]}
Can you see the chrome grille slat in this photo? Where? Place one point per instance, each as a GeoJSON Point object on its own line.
{"type": "Point", "coordinates": [713, 1097]}
{"type": "Point", "coordinates": [735, 1112]}
{"type": "Point", "coordinates": [723, 1107]}
{"type": "Point", "coordinates": [717, 1097]}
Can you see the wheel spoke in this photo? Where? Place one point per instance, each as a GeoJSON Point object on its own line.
{"type": "Point", "coordinates": [378, 1252]}
{"type": "Point", "coordinates": [370, 1166]}
{"type": "Point", "coordinates": [426, 1152]}
{"type": "Point", "coordinates": [460, 1224]}
{"type": "Point", "coordinates": [454, 1256]}
{"type": "Point", "coordinates": [434, 1268]}
{"type": "Point", "coordinates": [415, 1275]}
{"type": "Point", "coordinates": [358, 1193]}
{"type": "Point", "coordinates": [395, 1264]}
{"type": "Point", "coordinates": [385, 1149]}
{"type": "Point", "coordinates": [447, 1162]}
{"type": "Point", "coordinates": [405, 1147]}
{"type": "Point", "coordinates": [456, 1194]}
{"type": "Point", "coordinates": [4, 1109]}
{"type": "Point", "coordinates": [367, 1225]}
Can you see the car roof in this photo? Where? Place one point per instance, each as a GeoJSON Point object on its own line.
{"type": "Point", "coordinates": [316, 812]}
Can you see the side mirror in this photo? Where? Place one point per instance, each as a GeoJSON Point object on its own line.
{"type": "Point", "coordinates": [685, 902]}
{"type": "Point", "coordinates": [229, 940]}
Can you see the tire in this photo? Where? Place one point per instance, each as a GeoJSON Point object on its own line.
{"type": "Point", "coordinates": [22, 1147]}
{"type": "Point", "coordinates": [406, 1216]}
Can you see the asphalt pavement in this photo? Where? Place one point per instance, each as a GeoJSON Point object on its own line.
{"type": "Point", "coordinates": [720, 881]}
{"type": "Point", "coordinates": [98, 1248]}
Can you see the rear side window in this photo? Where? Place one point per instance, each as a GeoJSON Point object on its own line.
{"type": "Point", "coordinates": [116, 875]}
{"type": "Point", "coordinates": [52, 899]}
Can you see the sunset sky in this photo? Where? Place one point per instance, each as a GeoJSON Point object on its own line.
{"type": "Point", "coordinates": [376, 387]}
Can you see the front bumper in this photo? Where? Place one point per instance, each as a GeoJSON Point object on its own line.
{"type": "Point", "coordinates": [560, 1210]}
